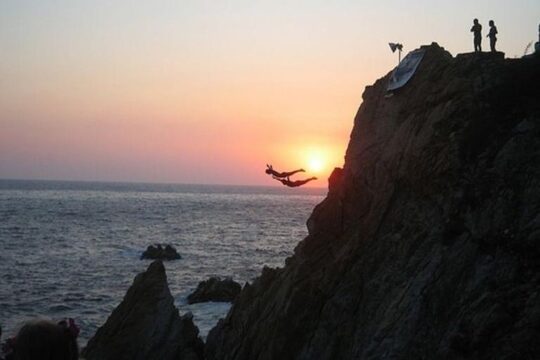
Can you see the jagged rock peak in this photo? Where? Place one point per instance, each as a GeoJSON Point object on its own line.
{"type": "Point", "coordinates": [146, 325]}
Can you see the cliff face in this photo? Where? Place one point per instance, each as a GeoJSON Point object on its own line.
{"type": "Point", "coordinates": [428, 243]}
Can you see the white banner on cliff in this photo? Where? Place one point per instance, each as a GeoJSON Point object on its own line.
{"type": "Point", "coordinates": [405, 70]}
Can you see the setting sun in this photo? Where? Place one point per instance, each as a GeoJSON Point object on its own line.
{"type": "Point", "coordinates": [316, 159]}
{"type": "Point", "coordinates": [315, 164]}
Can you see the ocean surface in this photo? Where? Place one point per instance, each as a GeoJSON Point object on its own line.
{"type": "Point", "coordinates": [71, 249]}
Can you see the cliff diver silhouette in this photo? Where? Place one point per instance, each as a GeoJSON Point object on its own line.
{"type": "Point", "coordinates": [297, 183]}
{"type": "Point", "coordinates": [270, 171]}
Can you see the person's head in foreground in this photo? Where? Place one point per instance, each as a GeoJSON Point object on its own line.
{"type": "Point", "coordinates": [46, 340]}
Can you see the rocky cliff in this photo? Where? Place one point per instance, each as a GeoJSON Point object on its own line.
{"type": "Point", "coordinates": [428, 243]}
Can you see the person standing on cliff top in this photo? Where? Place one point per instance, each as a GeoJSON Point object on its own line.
{"type": "Point", "coordinates": [477, 31]}
{"type": "Point", "coordinates": [492, 35]}
{"type": "Point", "coordinates": [537, 45]}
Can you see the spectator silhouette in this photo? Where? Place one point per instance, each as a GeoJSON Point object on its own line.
{"type": "Point", "coordinates": [492, 35]}
{"type": "Point", "coordinates": [297, 183]}
{"type": "Point", "coordinates": [45, 340]}
{"type": "Point", "coordinates": [477, 31]}
{"type": "Point", "coordinates": [270, 171]}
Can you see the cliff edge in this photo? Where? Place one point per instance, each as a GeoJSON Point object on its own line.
{"type": "Point", "coordinates": [428, 243]}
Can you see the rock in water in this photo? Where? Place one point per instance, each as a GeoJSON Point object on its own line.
{"type": "Point", "coordinates": [146, 325]}
{"type": "Point", "coordinates": [428, 243]}
{"type": "Point", "coordinates": [158, 252]}
{"type": "Point", "coordinates": [215, 289]}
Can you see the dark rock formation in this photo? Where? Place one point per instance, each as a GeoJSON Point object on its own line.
{"type": "Point", "coordinates": [428, 243]}
{"type": "Point", "coordinates": [215, 289]}
{"type": "Point", "coordinates": [146, 325]}
{"type": "Point", "coordinates": [158, 252]}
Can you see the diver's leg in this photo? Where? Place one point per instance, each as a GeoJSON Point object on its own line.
{"type": "Point", "coordinates": [291, 173]}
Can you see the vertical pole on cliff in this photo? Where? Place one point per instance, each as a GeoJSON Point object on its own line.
{"type": "Point", "coordinates": [398, 47]}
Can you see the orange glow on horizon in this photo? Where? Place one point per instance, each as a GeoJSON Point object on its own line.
{"type": "Point", "coordinates": [318, 157]}
{"type": "Point", "coordinates": [206, 92]}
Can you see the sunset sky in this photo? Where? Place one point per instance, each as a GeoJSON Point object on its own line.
{"type": "Point", "coordinates": [209, 91]}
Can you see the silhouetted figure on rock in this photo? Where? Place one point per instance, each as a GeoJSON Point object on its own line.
{"type": "Point", "coordinates": [297, 183]}
{"type": "Point", "coordinates": [492, 35]}
{"type": "Point", "coordinates": [270, 171]}
{"type": "Point", "coordinates": [477, 31]}
{"type": "Point", "coordinates": [537, 44]}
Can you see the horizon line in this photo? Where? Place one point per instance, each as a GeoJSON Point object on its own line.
{"type": "Point", "coordinates": [135, 182]}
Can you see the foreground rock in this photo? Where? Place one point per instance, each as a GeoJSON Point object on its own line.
{"type": "Point", "coordinates": [158, 252]}
{"type": "Point", "coordinates": [215, 289]}
{"type": "Point", "coordinates": [428, 243]}
{"type": "Point", "coordinates": [146, 325]}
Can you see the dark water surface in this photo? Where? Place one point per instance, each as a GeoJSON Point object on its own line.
{"type": "Point", "coordinates": [71, 249]}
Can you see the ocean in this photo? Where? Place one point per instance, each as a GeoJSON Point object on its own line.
{"type": "Point", "coordinates": [72, 249]}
